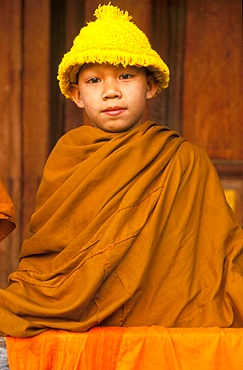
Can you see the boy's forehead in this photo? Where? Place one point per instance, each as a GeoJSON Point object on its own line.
{"type": "Point", "coordinates": [106, 67]}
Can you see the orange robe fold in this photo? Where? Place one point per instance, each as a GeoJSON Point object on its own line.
{"type": "Point", "coordinates": [130, 229]}
{"type": "Point", "coordinates": [141, 348]}
{"type": "Point", "coordinates": [7, 218]}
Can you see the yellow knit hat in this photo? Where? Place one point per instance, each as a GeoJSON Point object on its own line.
{"type": "Point", "coordinates": [113, 39]}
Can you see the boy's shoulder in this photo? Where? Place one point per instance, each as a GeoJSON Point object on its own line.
{"type": "Point", "coordinates": [83, 135]}
{"type": "Point", "coordinates": [75, 136]}
{"type": "Point", "coordinates": [194, 156]}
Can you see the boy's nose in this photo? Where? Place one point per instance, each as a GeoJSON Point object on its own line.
{"type": "Point", "coordinates": [111, 91]}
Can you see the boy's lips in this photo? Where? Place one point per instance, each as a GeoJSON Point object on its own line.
{"type": "Point", "coordinates": [113, 111]}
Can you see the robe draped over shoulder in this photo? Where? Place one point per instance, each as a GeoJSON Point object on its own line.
{"type": "Point", "coordinates": [7, 218]}
{"type": "Point", "coordinates": [130, 229]}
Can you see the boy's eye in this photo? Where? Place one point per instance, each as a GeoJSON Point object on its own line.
{"type": "Point", "coordinates": [93, 80]}
{"type": "Point", "coordinates": [125, 76]}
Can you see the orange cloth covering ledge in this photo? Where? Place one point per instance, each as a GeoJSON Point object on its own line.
{"type": "Point", "coordinates": [143, 348]}
{"type": "Point", "coordinates": [131, 229]}
{"type": "Point", "coordinates": [7, 221]}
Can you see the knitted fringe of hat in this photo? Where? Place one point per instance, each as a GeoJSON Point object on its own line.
{"type": "Point", "coordinates": [112, 39]}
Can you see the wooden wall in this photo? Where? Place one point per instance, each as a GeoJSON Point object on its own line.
{"type": "Point", "coordinates": [199, 39]}
{"type": "Point", "coordinates": [212, 89]}
{"type": "Point", "coordinates": [24, 107]}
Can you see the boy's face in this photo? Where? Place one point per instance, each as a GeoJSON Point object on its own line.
{"type": "Point", "coordinates": [113, 97]}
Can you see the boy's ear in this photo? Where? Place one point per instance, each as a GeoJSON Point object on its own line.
{"type": "Point", "coordinates": [152, 86]}
{"type": "Point", "coordinates": [75, 94]}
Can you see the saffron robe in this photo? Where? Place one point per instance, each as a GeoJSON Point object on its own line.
{"type": "Point", "coordinates": [130, 229]}
{"type": "Point", "coordinates": [7, 218]}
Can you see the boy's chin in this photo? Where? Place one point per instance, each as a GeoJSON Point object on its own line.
{"type": "Point", "coordinates": [116, 128]}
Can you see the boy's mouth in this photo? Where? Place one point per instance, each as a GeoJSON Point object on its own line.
{"type": "Point", "coordinates": [113, 111]}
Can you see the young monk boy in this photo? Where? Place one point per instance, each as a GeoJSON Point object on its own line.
{"type": "Point", "coordinates": [131, 226]}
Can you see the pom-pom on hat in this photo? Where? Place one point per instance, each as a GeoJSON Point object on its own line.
{"type": "Point", "coordinates": [112, 39]}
